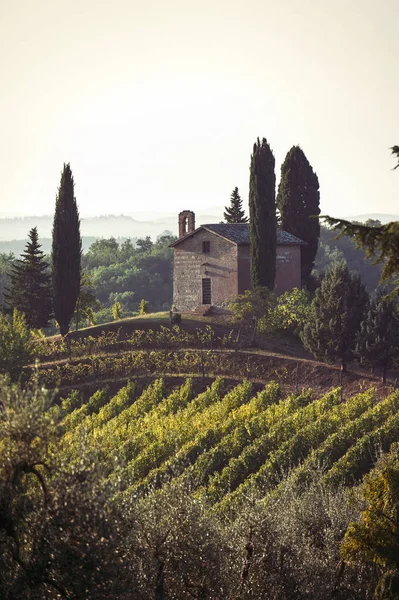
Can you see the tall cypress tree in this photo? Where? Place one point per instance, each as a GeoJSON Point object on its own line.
{"type": "Point", "coordinates": [67, 251]}
{"type": "Point", "coordinates": [298, 199]}
{"type": "Point", "coordinates": [262, 215]}
{"type": "Point", "coordinates": [337, 311]}
{"type": "Point", "coordinates": [30, 285]}
{"type": "Point", "coordinates": [378, 338]}
{"type": "Point", "coordinates": [235, 213]}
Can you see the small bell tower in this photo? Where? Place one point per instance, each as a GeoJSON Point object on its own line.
{"type": "Point", "coordinates": [186, 222]}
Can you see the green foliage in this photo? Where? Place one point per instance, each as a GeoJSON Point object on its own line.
{"type": "Point", "coordinates": [298, 200]}
{"type": "Point", "coordinates": [290, 451]}
{"type": "Point", "coordinates": [210, 449]}
{"type": "Point", "coordinates": [117, 311]}
{"type": "Point", "coordinates": [262, 216]}
{"type": "Point", "coordinates": [334, 250]}
{"type": "Point", "coordinates": [252, 304]}
{"type": "Point", "coordinates": [66, 252]}
{"type": "Point", "coordinates": [86, 303]}
{"type": "Point", "coordinates": [335, 316]}
{"type": "Point", "coordinates": [144, 306]}
{"type": "Point", "coordinates": [284, 423]}
{"type": "Point", "coordinates": [15, 344]}
{"type": "Point", "coordinates": [290, 313]}
{"type": "Point", "coordinates": [30, 289]}
{"type": "Point", "coordinates": [144, 244]}
{"type": "Point", "coordinates": [378, 338]}
{"type": "Point", "coordinates": [105, 498]}
{"type": "Point", "coordinates": [125, 272]}
{"type": "Point", "coordinates": [235, 213]}
{"type": "Point", "coordinates": [334, 452]}
{"type": "Point", "coordinates": [61, 537]}
{"type": "Point", "coordinates": [361, 457]}
{"type": "Point", "coordinates": [6, 264]}
{"type": "Point", "coordinates": [381, 243]}
{"type": "Point", "coordinates": [374, 538]}
{"type": "Point", "coordinates": [287, 312]}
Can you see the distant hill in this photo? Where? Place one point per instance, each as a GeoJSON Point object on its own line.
{"type": "Point", "coordinates": [383, 217]}
{"type": "Point", "coordinates": [119, 226]}
{"type": "Point", "coordinates": [18, 246]}
{"type": "Point", "coordinates": [14, 230]}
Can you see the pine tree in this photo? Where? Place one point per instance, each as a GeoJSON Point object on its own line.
{"type": "Point", "coordinates": [298, 200]}
{"type": "Point", "coordinates": [235, 213]}
{"type": "Point", "coordinates": [378, 338]}
{"type": "Point", "coordinates": [30, 285]}
{"type": "Point", "coordinates": [262, 216]}
{"type": "Point", "coordinates": [336, 313]}
{"type": "Point", "coordinates": [67, 251]}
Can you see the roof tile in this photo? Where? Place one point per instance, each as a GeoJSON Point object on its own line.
{"type": "Point", "coordinates": [239, 234]}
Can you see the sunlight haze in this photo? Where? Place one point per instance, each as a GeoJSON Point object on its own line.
{"type": "Point", "coordinates": [156, 105]}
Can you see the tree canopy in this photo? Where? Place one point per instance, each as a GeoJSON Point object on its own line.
{"type": "Point", "coordinates": [66, 251]}
{"type": "Point", "coordinates": [30, 285]}
{"type": "Point", "coordinates": [235, 213]}
{"type": "Point", "coordinates": [336, 313]}
{"type": "Point", "coordinates": [298, 201]}
{"type": "Point", "coordinates": [262, 215]}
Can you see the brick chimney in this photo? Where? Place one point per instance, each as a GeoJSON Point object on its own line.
{"type": "Point", "coordinates": [186, 222]}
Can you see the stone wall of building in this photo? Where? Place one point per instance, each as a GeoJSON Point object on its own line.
{"type": "Point", "coordinates": [288, 268]}
{"type": "Point", "coordinates": [244, 269]}
{"type": "Point", "coordinates": [191, 265]}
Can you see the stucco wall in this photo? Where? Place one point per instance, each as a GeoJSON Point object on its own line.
{"type": "Point", "coordinates": [191, 265]}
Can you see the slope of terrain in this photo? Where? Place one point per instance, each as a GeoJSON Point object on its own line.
{"type": "Point", "coordinates": [202, 347]}
{"type": "Point", "coordinates": [229, 440]}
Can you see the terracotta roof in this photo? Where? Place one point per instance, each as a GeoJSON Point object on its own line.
{"type": "Point", "coordinates": [239, 234]}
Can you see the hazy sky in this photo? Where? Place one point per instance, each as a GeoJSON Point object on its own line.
{"type": "Point", "coordinates": [157, 103]}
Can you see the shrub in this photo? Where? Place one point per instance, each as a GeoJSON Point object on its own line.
{"type": "Point", "coordinates": [290, 313]}
{"type": "Point", "coordinates": [144, 306]}
{"type": "Point", "coordinates": [117, 311]}
{"type": "Point", "coordinates": [252, 304]}
{"type": "Point", "coordinates": [176, 318]}
{"type": "Point", "coordinates": [15, 344]}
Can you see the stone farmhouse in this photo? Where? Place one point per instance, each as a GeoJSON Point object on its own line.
{"type": "Point", "coordinates": [212, 263]}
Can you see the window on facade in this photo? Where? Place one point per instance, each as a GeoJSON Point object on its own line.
{"type": "Point", "coordinates": [206, 291]}
{"type": "Point", "coordinates": [206, 246]}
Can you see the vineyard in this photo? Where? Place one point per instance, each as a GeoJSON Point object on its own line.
{"type": "Point", "coordinates": [115, 355]}
{"type": "Point", "coordinates": [228, 443]}
{"type": "Point", "coordinates": [192, 466]}
{"type": "Point", "coordinates": [230, 440]}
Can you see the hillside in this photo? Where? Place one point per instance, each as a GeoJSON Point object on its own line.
{"type": "Point", "coordinates": [118, 226]}
{"type": "Point", "coordinates": [199, 347]}
{"type": "Point", "coordinates": [228, 439]}
{"type": "Point", "coordinates": [190, 461]}
{"type": "Point", "coordinates": [237, 458]}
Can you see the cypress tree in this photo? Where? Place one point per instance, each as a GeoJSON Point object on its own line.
{"type": "Point", "coordinates": [378, 338]}
{"type": "Point", "coordinates": [30, 285]}
{"type": "Point", "coordinates": [336, 313]}
{"type": "Point", "coordinates": [262, 216]}
{"type": "Point", "coordinates": [67, 251]}
{"type": "Point", "coordinates": [235, 213]}
{"type": "Point", "coordinates": [298, 199]}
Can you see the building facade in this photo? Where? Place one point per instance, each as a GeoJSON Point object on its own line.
{"type": "Point", "coordinates": [212, 263]}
